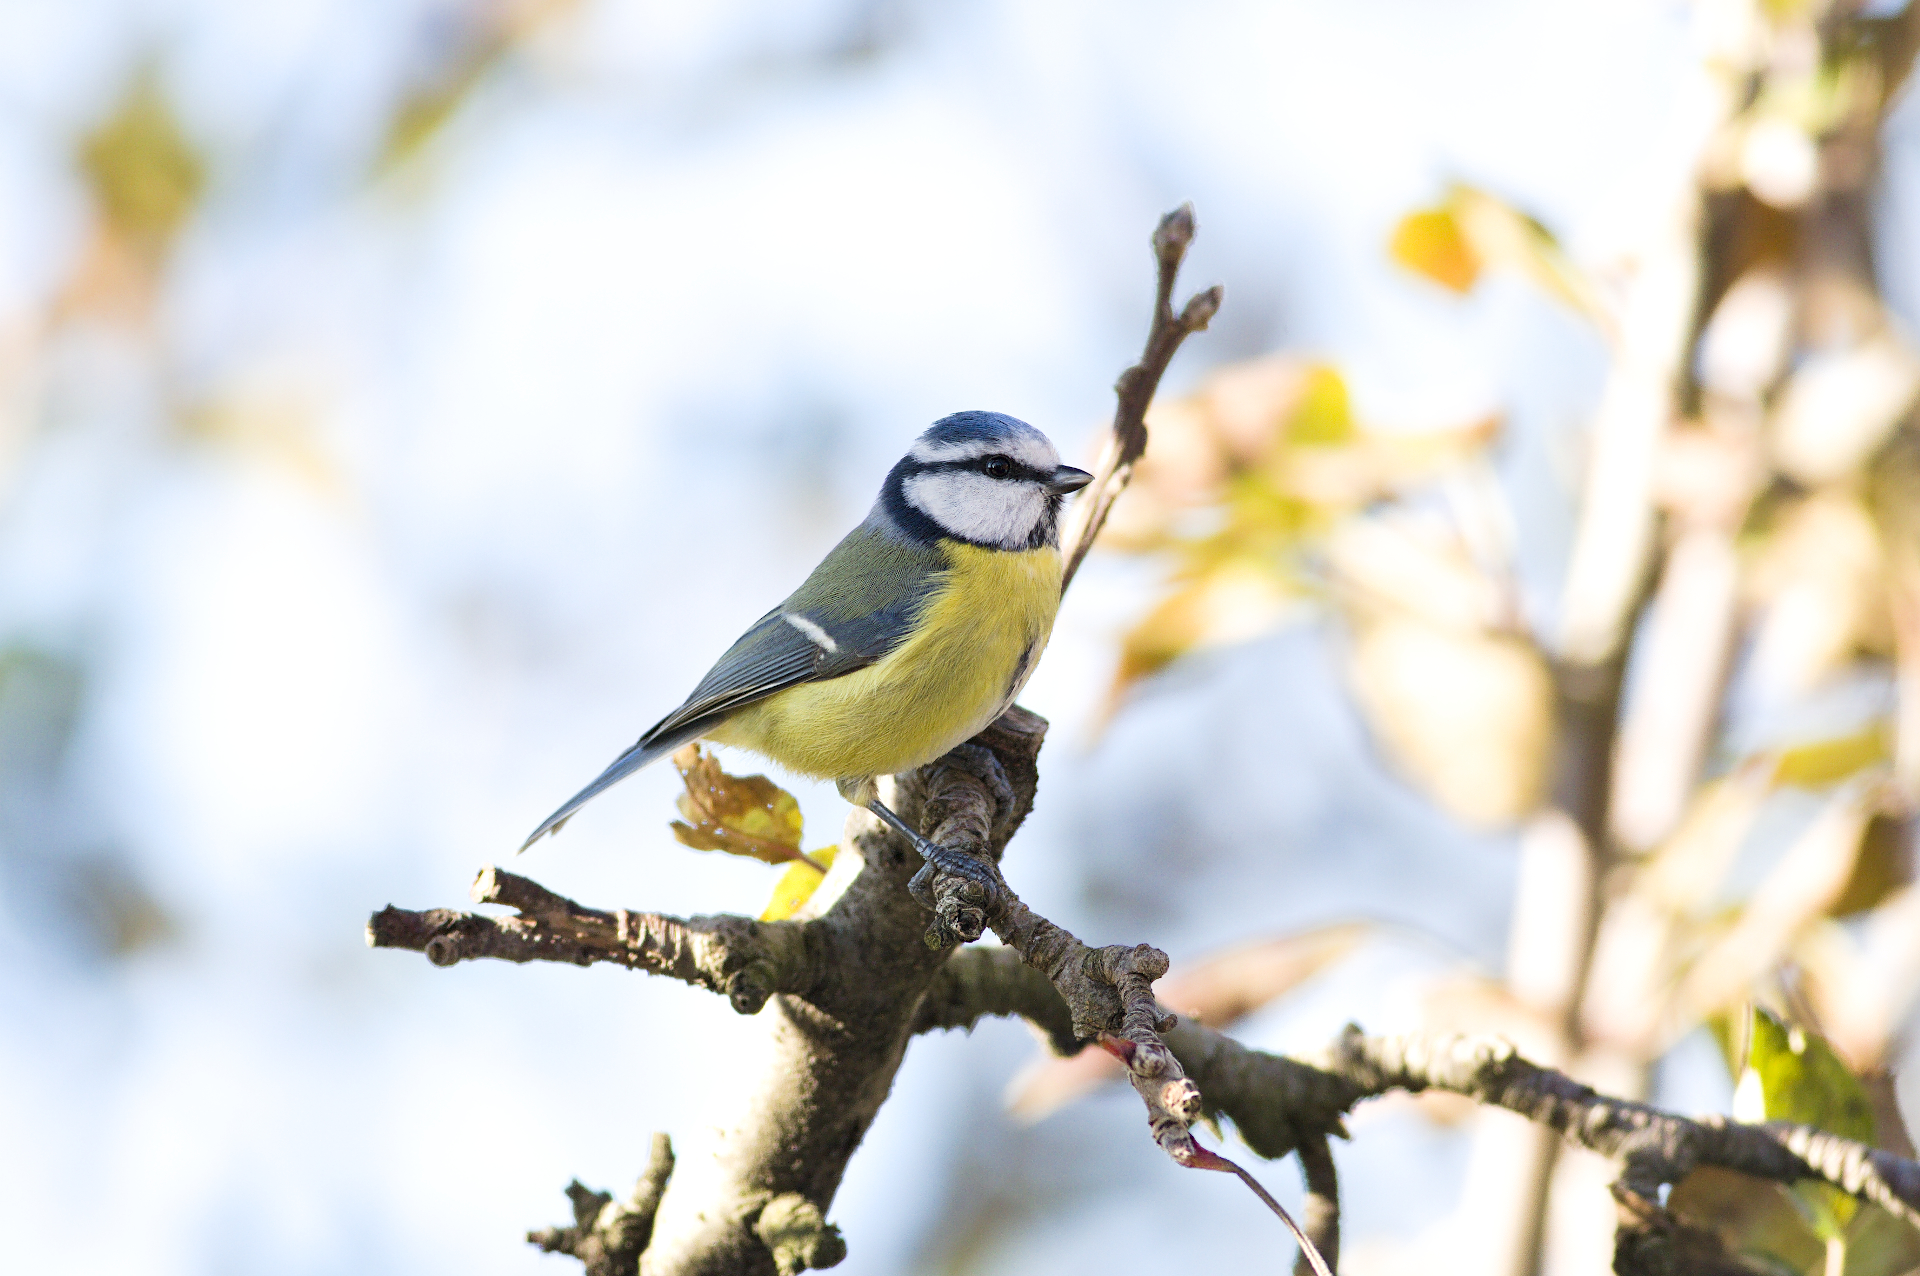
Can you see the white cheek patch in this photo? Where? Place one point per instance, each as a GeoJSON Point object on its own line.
{"type": "Point", "coordinates": [976, 508]}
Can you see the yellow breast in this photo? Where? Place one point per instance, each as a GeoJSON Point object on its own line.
{"type": "Point", "coordinates": [977, 640]}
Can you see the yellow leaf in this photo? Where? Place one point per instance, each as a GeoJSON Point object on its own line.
{"type": "Point", "coordinates": [1470, 230]}
{"type": "Point", "coordinates": [1324, 417]}
{"type": "Point", "coordinates": [1227, 601]}
{"type": "Point", "coordinates": [1430, 243]}
{"type": "Point", "coordinates": [741, 815]}
{"type": "Point", "coordinates": [1823, 762]}
{"type": "Point", "coordinates": [797, 884]}
{"type": "Point", "coordinates": [146, 176]}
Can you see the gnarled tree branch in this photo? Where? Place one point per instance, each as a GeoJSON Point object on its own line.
{"type": "Point", "coordinates": [608, 1236]}
{"type": "Point", "coordinates": [1281, 1105]}
{"type": "Point", "coordinates": [845, 992]}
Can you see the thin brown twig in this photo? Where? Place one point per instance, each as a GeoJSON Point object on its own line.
{"type": "Point", "coordinates": [1127, 442]}
{"type": "Point", "coordinates": [1309, 1252]}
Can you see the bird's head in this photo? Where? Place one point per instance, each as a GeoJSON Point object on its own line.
{"type": "Point", "coordinates": [984, 478]}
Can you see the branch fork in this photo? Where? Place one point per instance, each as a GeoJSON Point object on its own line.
{"type": "Point", "coordinates": [843, 993]}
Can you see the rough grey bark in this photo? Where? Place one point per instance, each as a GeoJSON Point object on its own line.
{"type": "Point", "coordinates": [839, 997]}
{"type": "Point", "coordinates": [1281, 1105]}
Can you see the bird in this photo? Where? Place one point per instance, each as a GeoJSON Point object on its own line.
{"type": "Point", "coordinates": [914, 632]}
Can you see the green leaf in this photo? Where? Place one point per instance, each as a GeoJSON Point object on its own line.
{"type": "Point", "coordinates": [1881, 1244]}
{"type": "Point", "coordinates": [1803, 1081]}
{"type": "Point", "coordinates": [1755, 1218]}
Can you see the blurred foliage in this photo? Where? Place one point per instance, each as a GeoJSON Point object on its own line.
{"type": "Point", "coordinates": [144, 173]}
{"type": "Point", "coordinates": [478, 40]}
{"type": "Point", "coordinates": [1793, 1075]}
{"type": "Point", "coordinates": [54, 874]}
{"type": "Point", "coordinates": [1264, 489]}
{"type": "Point", "coordinates": [40, 697]}
{"type": "Point", "coordinates": [1469, 232]}
{"type": "Point", "coordinates": [277, 424]}
{"type": "Point", "coordinates": [1785, 455]}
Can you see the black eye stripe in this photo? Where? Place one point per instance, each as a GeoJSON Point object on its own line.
{"type": "Point", "coordinates": [978, 465]}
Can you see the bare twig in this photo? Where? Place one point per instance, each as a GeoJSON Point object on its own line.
{"type": "Point", "coordinates": [745, 961]}
{"type": "Point", "coordinates": [1128, 441]}
{"type": "Point", "coordinates": [1310, 1257]}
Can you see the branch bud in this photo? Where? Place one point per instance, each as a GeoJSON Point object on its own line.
{"type": "Point", "coordinates": [1201, 309]}
{"type": "Point", "coordinates": [1173, 234]}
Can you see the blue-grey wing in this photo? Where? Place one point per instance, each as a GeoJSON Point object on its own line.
{"type": "Point", "coordinates": [839, 621]}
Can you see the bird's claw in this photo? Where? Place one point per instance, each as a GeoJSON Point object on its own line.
{"type": "Point", "coordinates": [960, 911]}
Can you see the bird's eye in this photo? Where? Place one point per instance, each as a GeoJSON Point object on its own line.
{"type": "Point", "coordinates": [998, 467]}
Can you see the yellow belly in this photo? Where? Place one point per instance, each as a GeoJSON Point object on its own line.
{"type": "Point", "coordinates": [980, 636]}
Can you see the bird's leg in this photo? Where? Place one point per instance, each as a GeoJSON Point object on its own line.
{"type": "Point", "coordinates": [941, 859]}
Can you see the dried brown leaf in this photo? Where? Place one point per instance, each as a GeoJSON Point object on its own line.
{"type": "Point", "coordinates": [741, 815]}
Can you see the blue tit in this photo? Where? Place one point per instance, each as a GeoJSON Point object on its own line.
{"type": "Point", "coordinates": [913, 634]}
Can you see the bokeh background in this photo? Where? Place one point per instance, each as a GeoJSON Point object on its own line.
{"type": "Point", "coordinates": [402, 403]}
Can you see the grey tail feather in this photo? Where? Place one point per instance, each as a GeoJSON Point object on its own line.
{"type": "Point", "coordinates": [647, 749]}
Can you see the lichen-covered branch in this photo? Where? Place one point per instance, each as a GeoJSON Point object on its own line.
{"type": "Point", "coordinates": [1281, 1105]}
{"type": "Point", "coordinates": [1657, 1147]}
{"type": "Point", "coordinates": [745, 961]}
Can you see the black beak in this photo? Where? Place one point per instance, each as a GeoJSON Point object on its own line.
{"type": "Point", "coordinates": [1066, 479]}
